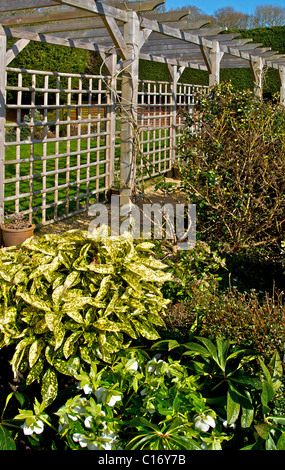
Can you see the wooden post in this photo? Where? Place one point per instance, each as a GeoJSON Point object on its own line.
{"type": "Point", "coordinates": [129, 102]}
{"type": "Point", "coordinates": [212, 58]}
{"type": "Point", "coordinates": [215, 60]}
{"type": "Point", "coordinates": [256, 66]}
{"type": "Point", "coordinates": [174, 76]}
{"type": "Point", "coordinates": [111, 64]}
{"type": "Point", "coordinates": [2, 121]}
{"type": "Point", "coordinates": [282, 86]}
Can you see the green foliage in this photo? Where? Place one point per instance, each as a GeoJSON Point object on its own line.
{"type": "Point", "coordinates": [67, 299]}
{"type": "Point", "coordinates": [246, 398]}
{"type": "Point", "coordinates": [47, 57]}
{"type": "Point", "coordinates": [50, 57]}
{"type": "Point", "coordinates": [241, 79]}
{"type": "Point", "coordinates": [198, 268]}
{"type": "Point", "coordinates": [222, 368]}
{"type": "Point", "coordinates": [6, 439]}
{"type": "Point", "coordinates": [200, 395]}
{"type": "Point", "coordinates": [242, 317]}
{"type": "Point", "coordinates": [233, 168]}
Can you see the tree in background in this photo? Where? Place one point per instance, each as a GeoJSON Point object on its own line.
{"type": "Point", "coordinates": [263, 16]}
{"type": "Point", "coordinates": [267, 16]}
{"type": "Point", "coordinates": [194, 13]}
{"type": "Point", "coordinates": [231, 18]}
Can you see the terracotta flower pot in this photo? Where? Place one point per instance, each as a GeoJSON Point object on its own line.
{"type": "Point", "coordinates": [115, 191]}
{"type": "Point", "coordinates": [14, 237]}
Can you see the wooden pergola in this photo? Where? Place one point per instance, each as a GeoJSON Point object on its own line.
{"type": "Point", "coordinates": [123, 33]}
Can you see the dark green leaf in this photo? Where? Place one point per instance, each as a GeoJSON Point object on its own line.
{"type": "Point", "coordinates": [6, 439]}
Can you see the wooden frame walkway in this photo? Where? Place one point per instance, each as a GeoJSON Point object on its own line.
{"type": "Point", "coordinates": [123, 33]}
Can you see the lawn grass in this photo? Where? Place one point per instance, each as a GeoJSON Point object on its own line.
{"type": "Point", "coordinates": [75, 167]}
{"type": "Point", "coordinates": [69, 162]}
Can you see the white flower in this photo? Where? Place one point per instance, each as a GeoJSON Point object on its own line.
{"type": "Point", "coordinates": [226, 425]}
{"type": "Point", "coordinates": [87, 422]}
{"type": "Point", "coordinates": [84, 441]}
{"type": "Point", "coordinates": [154, 364]}
{"type": "Point", "coordinates": [109, 439]}
{"type": "Point", "coordinates": [112, 401]}
{"type": "Point", "coordinates": [77, 437]}
{"type": "Point", "coordinates": [100, 393]}
{"type": "Point", "coordinates": [80, 408]}
{"type": "Point", "coordinates": [104, 396]}
{"type": "Point", "coordinates": [87, 389]}
{"type": "Point", "coordinates": [37, 427]}
{"type": "Point", "coordinates": [133, 366]}
{"type": "Point", "coordinates": [204, 422]}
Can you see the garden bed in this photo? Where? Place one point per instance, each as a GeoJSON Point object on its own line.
{"type": "Point", "coordinates": [118, 343]}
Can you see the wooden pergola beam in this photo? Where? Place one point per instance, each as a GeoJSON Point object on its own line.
{"type": "Point", "coordinates": [15, 50]}
{"type": "Point", "coordinates": [179, 46]}
{"type": "Point", "coordinates": [174, 32]}
{"type": "Point", "coordinates": [99, 8]}
{"type": "Point", "coordinates": [38, 17]}
{"type": "Point", "coordinates": [116, 36]}
{"type": "Point", "coordinates": [14, 5]}
{"type": "Point", "coordinates": [185, 26]}
{"type": "Point", "coordinates": [170, 61]}
{"type": "Point", "coordinates": [49, 39]}
{"type": "Point", "coordinates": [68, 26]}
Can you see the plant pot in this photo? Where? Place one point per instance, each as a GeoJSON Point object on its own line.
{"type": "Point", "coordinates": [173, 173]}
{"type": "Point", "coordinates": [14, 237]}
{"type": "Point", "coordinates": [176, 173]}
{"type": "Point", "coordinates": [115, 191]}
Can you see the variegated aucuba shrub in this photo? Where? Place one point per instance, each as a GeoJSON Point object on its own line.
{"type": "Point", "coordinates": [68, 299]}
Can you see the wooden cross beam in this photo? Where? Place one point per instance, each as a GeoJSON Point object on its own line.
{"type": "Point", "coordinates": [15, 50]}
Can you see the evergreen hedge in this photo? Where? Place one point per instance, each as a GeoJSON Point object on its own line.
{"type": "Point", "coordinates": [54, 58]}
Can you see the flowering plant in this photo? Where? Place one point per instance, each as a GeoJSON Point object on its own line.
{"type": "Point", "coordinates": [160, 399]}
{"type": "Point", "coordinates": [137, 402]}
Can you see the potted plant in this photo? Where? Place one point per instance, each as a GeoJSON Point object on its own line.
{"type": "Point", "coordinates": [115, 189]}
{"type": "Point", "coordinates": [16, 229]}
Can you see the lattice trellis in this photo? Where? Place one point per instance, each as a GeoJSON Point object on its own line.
{"type": "Point", "coordinates": [57, 153]}
{"type": "Point", "coordinates": [63, 138]}
{"type": "Point", "coordinates": [88, 145]}
{"type": "Point", "coordinates": [155, 112]}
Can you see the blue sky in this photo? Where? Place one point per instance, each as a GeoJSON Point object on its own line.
{"type": "Point", "coordinates": [209, 6]}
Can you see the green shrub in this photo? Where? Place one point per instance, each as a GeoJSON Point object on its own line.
{"type": "Point", "coordinates": [243, 318]}
{"type": "Point", "coordinates": [233, 168]}
{"type": "Point", "coordinates": [198, 268]}
{"type": "Point", "coordinates": [69, 299]}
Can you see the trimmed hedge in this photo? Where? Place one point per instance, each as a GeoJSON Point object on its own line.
{"type": "Point", "coordinates": [49, 57]}
{"type": "Point", "coordinates": [269, 37]}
